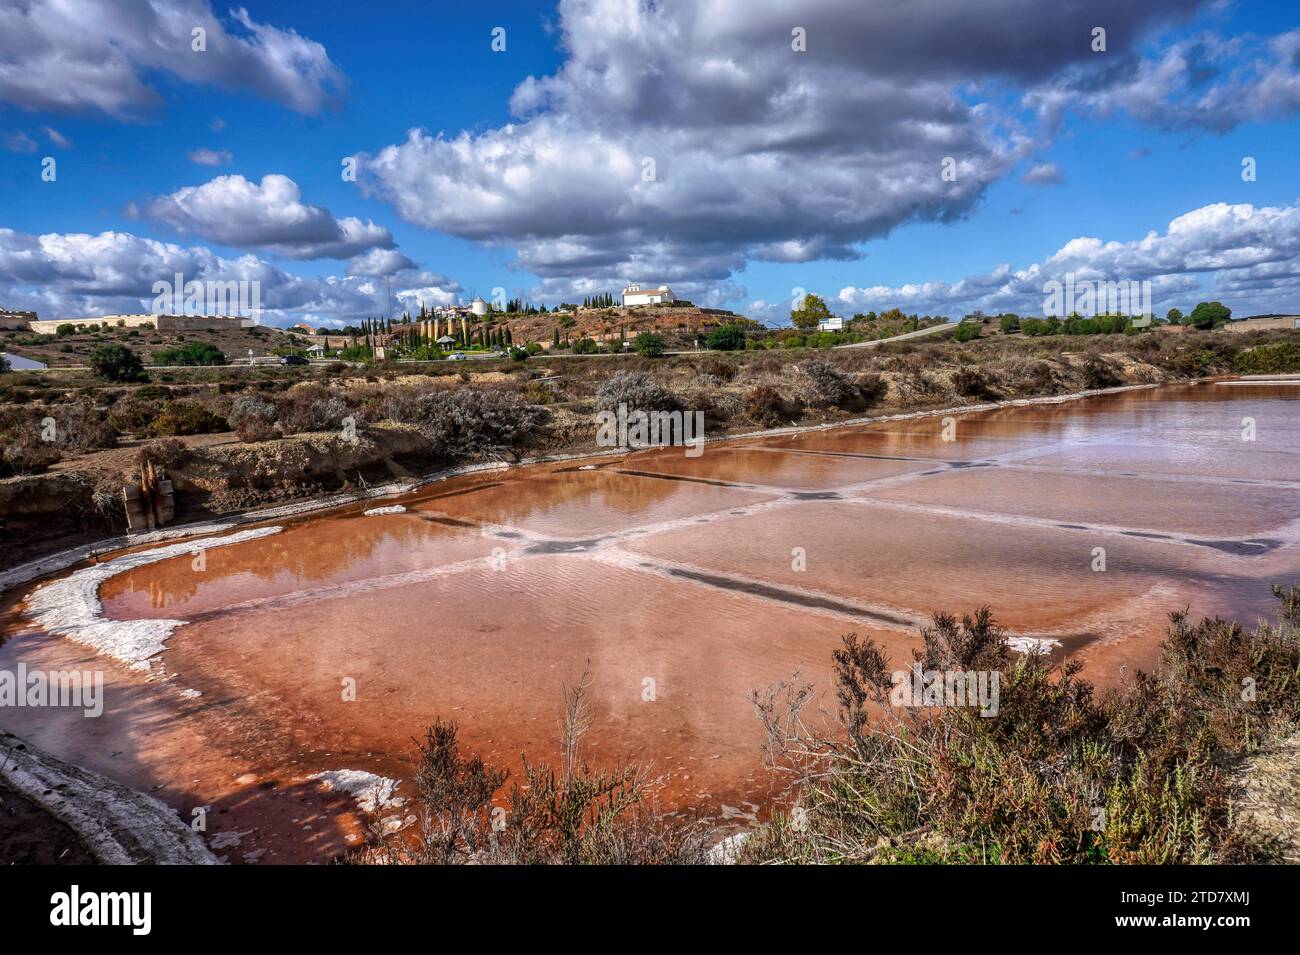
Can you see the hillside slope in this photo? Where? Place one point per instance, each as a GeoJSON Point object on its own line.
{"type": "Point", "coordinates": [602, 323]}
{"type": "Point", "coordinates": [75, 349]}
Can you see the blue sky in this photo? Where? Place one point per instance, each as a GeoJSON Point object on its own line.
{"type": "Point", "coordinates": [495, 211]}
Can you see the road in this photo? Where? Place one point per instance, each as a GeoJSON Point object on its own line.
{"type": "Point", "coordinates": [919, 333]}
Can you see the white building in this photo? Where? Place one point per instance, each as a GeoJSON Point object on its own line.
{"type": "Point", "coordinates": [635, 295]}
{"type": "Point", "coordinates": [478, 306]}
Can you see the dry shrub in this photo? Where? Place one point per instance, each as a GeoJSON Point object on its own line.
{"type": "Point", "coordinates": [135, 415]}
{"type": "Point", "coordinates": [253, 430]}
{"type": "Point", "coordinates": [151, 393]}
{"type": "Point", "coordinates": [767, 408]}
{"type": "Point", "coordinates": [970, 382]}
{"type": "Point", "coordinates": [764, 366]}
{"type": "Point", "coordinates": [636, 390]}
{"type": "Point", "coordinates": [469, 423]}
{"type": "Point", "coordinates": [1098, 372]}
{"type": "Point", "coordinates": [719, 369]}
{"type": "Point", "coordinates": [1030, 376]}
{"type": "Point", "coordinates": [22, 450]}
{"type": "Point", "coordinates": [80, 427]}
{"type": "Point", "coordinates": [719, 407]}
{"type": "Point", "coordinates": [820, 384]}
{"type": "Point", "coordinates": [311, 407]}
{"type": "Point", "coordinates": [254, 418]}
{"type": "Point", "coordinates": [400, 403]}
{"type": "Point", "coordinates": [569, 815]}
{"type": "Point", "coordinates": [163, 453]}
{"type": "Point", "coordinates": [188, 417]}
{"type": "Point", "coordinates": [872, 387]}
{"type": "Point", "coordinates": [540, 393]}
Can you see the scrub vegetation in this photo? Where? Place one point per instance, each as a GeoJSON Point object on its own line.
{"type": "Point", "coordinates": [1063, 774]}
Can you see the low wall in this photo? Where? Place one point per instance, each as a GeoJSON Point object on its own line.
{"type": "Point", "coordinates": [1263, 324]}
{"type": "Point", "coordinates": [164, 323]}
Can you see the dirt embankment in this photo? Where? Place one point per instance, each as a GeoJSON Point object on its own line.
{"type": "Point", "coordinates": [42, 513]}
{"type": "Point", "coordinates": [86, 816]}
{"type": "Point", "coordinates": [235, 476]}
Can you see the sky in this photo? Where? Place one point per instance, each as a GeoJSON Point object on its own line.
{"type": "Point", "coordinates": [933, 155]}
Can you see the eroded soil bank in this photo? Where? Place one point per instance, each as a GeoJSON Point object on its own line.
{"type": "Point", "coordinates": [685, 583]}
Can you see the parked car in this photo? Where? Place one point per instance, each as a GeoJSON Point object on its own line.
{"type": "Point", "coordinates": [292, 360]}
{"type": "Point", "coordinates": [456, 356]}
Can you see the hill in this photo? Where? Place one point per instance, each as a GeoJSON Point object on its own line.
{"type": "Point", "coordinates": [75, 349]}
{"type": "Point", "coordinates": [674, 321]}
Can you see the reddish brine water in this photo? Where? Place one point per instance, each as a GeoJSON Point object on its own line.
{"type": "Point", "coordinates": [683, 584]}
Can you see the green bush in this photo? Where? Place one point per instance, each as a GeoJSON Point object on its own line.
{"type": "Point", "coordinates": [1277, 359]}
{"type": "Point", "coordinates": [195, 353]}
{"type": "Point", "coordinates": [726, 338]}
{"type": "Point", "coordinates": [117, 363]}
{"type": "Point", "coordinates": [649, 345]}
{"type": "Point", "coordinates": [966, 331]}
{"type": "Point", "coordinates": [1209, 315]}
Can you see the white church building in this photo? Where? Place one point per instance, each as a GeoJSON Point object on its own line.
{"type": "Point", "coordinates": [635, 295]}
